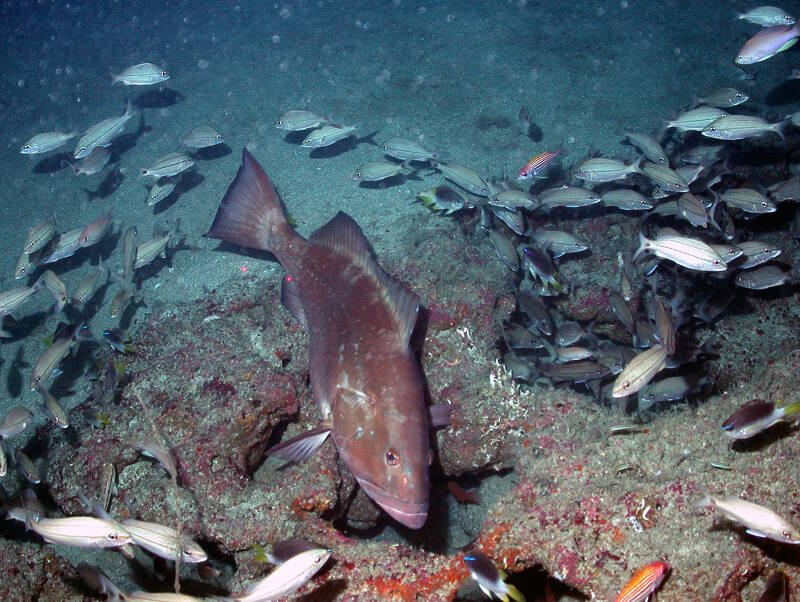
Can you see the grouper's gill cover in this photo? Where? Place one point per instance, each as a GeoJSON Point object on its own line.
{"type": "Point", "coordinates": [363, 375]}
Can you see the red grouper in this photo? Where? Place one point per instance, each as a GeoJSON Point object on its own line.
{"type": "Point", "coordinates": [363, 375]}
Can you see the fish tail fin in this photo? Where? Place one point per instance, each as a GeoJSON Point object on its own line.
{"type": "Point", "coordinates": [705, 502]}
{"type": "Point", "coordinates": [114, 77]}
{"type": "Point", "coordinates": [514, 593]}
{"type": "Point", "coordinates": [791, 409]}
{"type": "Point", "coordinates": [780, 128]}
{"type": "Point", "coordinates": [250, 213]}
{"type": "Point", "coordinates": [642, 247]}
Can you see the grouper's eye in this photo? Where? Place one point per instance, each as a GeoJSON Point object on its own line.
{"type": "Point", "coordinates": [392, 457]}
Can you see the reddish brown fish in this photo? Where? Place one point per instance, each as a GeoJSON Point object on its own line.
{"type": "Point", "coordinates": [364, 377]}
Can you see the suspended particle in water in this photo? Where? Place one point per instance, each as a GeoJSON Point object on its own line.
{"type": "Point", "coordinates": [276, 39]}
{"type": "Point", "coordinates": [285, 13]}
{"type": "Point", "coordinates": [202, 64]}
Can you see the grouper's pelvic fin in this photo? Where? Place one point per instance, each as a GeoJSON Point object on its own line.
{"type": "Point", "coordinates": [301, 447]}
{"type": "Point", "coordinates": [250, 213]}
{"type": "Point", "coordinates": [343, 236]}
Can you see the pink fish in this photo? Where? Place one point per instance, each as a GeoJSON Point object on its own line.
{"type": "Point", "coordinates": [363, 375]}
{"type": "Point", "coordinates": [95, 231]}
{"type": "Point", "coordinates": [537, 164]}
{"type": "Point", "coordinates": [767, 43]}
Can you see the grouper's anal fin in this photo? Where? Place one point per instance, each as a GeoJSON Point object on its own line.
{"type": "Point", "coordinates": [343, 235]}
{"type": "Point", "coordinates": [250, 212]}
{"type": "Point", "coordinates": [302, 446]}
{"type": "Point", "coordinates": [290, 299]}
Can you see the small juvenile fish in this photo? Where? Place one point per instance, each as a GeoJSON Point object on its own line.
{"type": "Point", "coordinates": [28, 468]}
{"type": "Point", "coordinates": [298, 121]}
{"type": "Point", "coordinates": [756, 417]}
{"type": "Point", "coordinates": [442, 199]}
{"type": "Point", "coordinates": [537, 164]}
{"type": "Point", "coordinates": [464, 177]}
{"type": "Point", "coordinates": [45, 142]}
{"type": "Point", "coordinates": [94, 231]}
{"type": "Point", "coordinates": [39, 235]}
{"type": "Point", "coordinates": [756, 253]}
{"type": "Point", "coordinates": [762, 278]}
{"type": "Point", "coordinates": [407, 150]}
{"type": "Point", "coordinates": [143, 74]}
{"type": "Point", "coordinates": [202, 137]}
{"type": "Point", "coordinates": [121, 300]}
{"type": "Point", "coordinates": [767, 16]}
{"type": "Point", "coordinates": [627, 200]}
{"type": "Point", "coordinates": [505, 249]}
{"type": "Point", "coordinates": [767, 43]}
{"type": "Point", "coordinates": [103, 133]}
{"type": "Point", "coordinates": [757, 520]}
{"type": "Point", "coordinates": [15, 422]}
{"type": "Point", "coordinates": [640, 371]}
{"type": "Point", "coordinates": [92, 163]}
{"type": "Point", "coordinates": [512, 218]}
{"type": "Point", "coordinates": [169, 165]}
{"type": "Point", "coordinates": [568, 196]}
{"type": "Point", "coordinates": [128, 252]}
{"type": "Point", "coordinates": [558, 243]}
{"type": "Point", "coordinates": [729, 253]}
{"type": "Point", "coordinates": [664, 177]}
{"type": "Point", "coordinates": [692, 210]}
{"type": "Point", "coordinates": [740, 127]}
{"type": "Point", "coordinates": [671, 388]}
{"type": "Point", "coordinates": [108, 484]}
{"type": "Point", "coordinates": [649, 146]}
{"type": "Point", "coordinates": [569, 333]}
{"type": "Point", "coordinates": [644, 583]}
{"type": "Point", "coordinates": [81, 532]}
{"type": "Point", "coordinates": [602, 169]}
{"type": "Point", "coordinates": [696, 119]}
{"type": "Point", "coordinates": [51, 357]}
{"type": "Point", "coordinates": [117, 340]}
{"type": "Point", "coordinates": [12, 299]}
{"type": "Point", "coordinates": [703, 153]}
{"type": "Point", "coordinates": [748, 200]}
{"type": "Point", "coordinates": [375, 171]}
{"type": "Point", "coordinates": [723, 98]}
{"type": "Point", "coordinates": [489, 578]}
{"type": "Point", "coordinates": [687, 252]}
{"type": "Point", "coordinates": [163, 541]}
{"type": "Point", "coordinates": [287, 577]}
{"type": "Point", "coordinates": [152, 449]}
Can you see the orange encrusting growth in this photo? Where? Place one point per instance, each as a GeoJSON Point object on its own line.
{"type": "Point", "coordinates": [644, 582]}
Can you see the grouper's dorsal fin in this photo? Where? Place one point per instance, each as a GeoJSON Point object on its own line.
{"type": "Point", "coordinates": [343, 235]}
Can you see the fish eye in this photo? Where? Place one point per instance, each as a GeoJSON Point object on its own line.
{"type": "Point", "coordinates": [392, 457]}
{"type": "Point", "coordinates": [113, 536]}
{"type": "Point", "coordinates": [764, 204]}
{"type": "Point", "coordinates": [767, 250]}
{"type": "Point", "coordinates": [626, 384]}
{"type": "Point", "coordinates": [716, 262]}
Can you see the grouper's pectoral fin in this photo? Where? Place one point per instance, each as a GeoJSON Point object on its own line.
{"type": "Point", "coordinates": [439, 415]}
{"type": "Point", "coordinates": [302, 446]}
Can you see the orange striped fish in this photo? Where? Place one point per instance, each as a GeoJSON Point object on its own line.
{"type": "Point", "coordinates": [537, 164]}
{"type": "Point", "coordinates": [644, 582]}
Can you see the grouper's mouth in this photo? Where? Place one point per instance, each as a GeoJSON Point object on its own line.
{"type": "Point", "coordinates": [411, 514]}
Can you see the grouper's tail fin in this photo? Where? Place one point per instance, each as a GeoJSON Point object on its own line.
{"type": "Point", "coordinates": [250, 213]}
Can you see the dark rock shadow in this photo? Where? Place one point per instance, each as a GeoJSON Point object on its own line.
{"type": "Point", "coordinates": [109, 185]}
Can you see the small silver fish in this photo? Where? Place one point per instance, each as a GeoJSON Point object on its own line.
{"type": "Point", "coordinates": [764, 277]}
{"type": "Point", "coordinates": [45, 142]}
{"type": "Point", "coordinates": [464, 177]}
{"type": "Point", "coordinates": [61, 246]}
{"type": "Point", "coordinates": [202, 137]}
{"type": "Point", "coordinates": [757, 520]}
{"type": "Point", "coordinates": [147, 251]}
{"type": "Point", "coordinates": [15, 422]}
{"type": "Point", "coordinates": [81, 532]}
{"type": "Point", "coordinates": [169, 165]}
{"type": "Point", "coordinates": [143, 74]}
{"type": "Point", "coordinates": [375, 171]}
{"type": "Point", "coordinates": [748, 200]}
{"type": "Point", "coordinates": [664, 177]}
{"type": "Point", "coordinates": [39, 235]}
{"type": "Point", "coordinates": [687, 252]}
{"type": "Point", "coordinates": [407, 150]}
{"type": "Point", "coordinates": [568, 196]}
{"type": "Point", "coordinates": [558, 243]}
{"type": "Point", "coordinates": [640, 371]}
{"type": "Point", "coordinates": [740, 127]}
{"type": "Point", "coordinates": [287, 577]}
{"type": "Point", "coordinates": [298, 121]}
{"type": "Point", "coordinates": [160, 191]}
{"type": "Point", "coordinates": [28, 468]}
{"type": "Point", "coordinates": [767, 16]}
{"type": "Point", "coordinates": [514, 199]}
{"type": "Point", "coordinates": [603, 169]}
{"type": "Point", "coordinates": [627, 200]}
{"type": "Point", "coordinates": [54, 408]}
{"type": "Point", "coordinates": [505, 250]}
{"type": "Point", "coordinates": [92, 163]}
{"type": "Point", "coordinates": [649, 146]}
{"type": "Point", "coordinates": [103, 133]}
{"type": "Point", "coordinates": [328, 134]}
{"type": "Point", "coordinates": [163, 541]}
{"type": "Point", "coordinates": [723, 98]}
{"type": "Point", "coordinates": [695, 120]}
{"type": "Point", "coordinates": [756, 253]}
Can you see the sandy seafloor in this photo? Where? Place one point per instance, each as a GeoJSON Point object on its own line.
{"type": "Point", "coordinates": [451, 75]}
